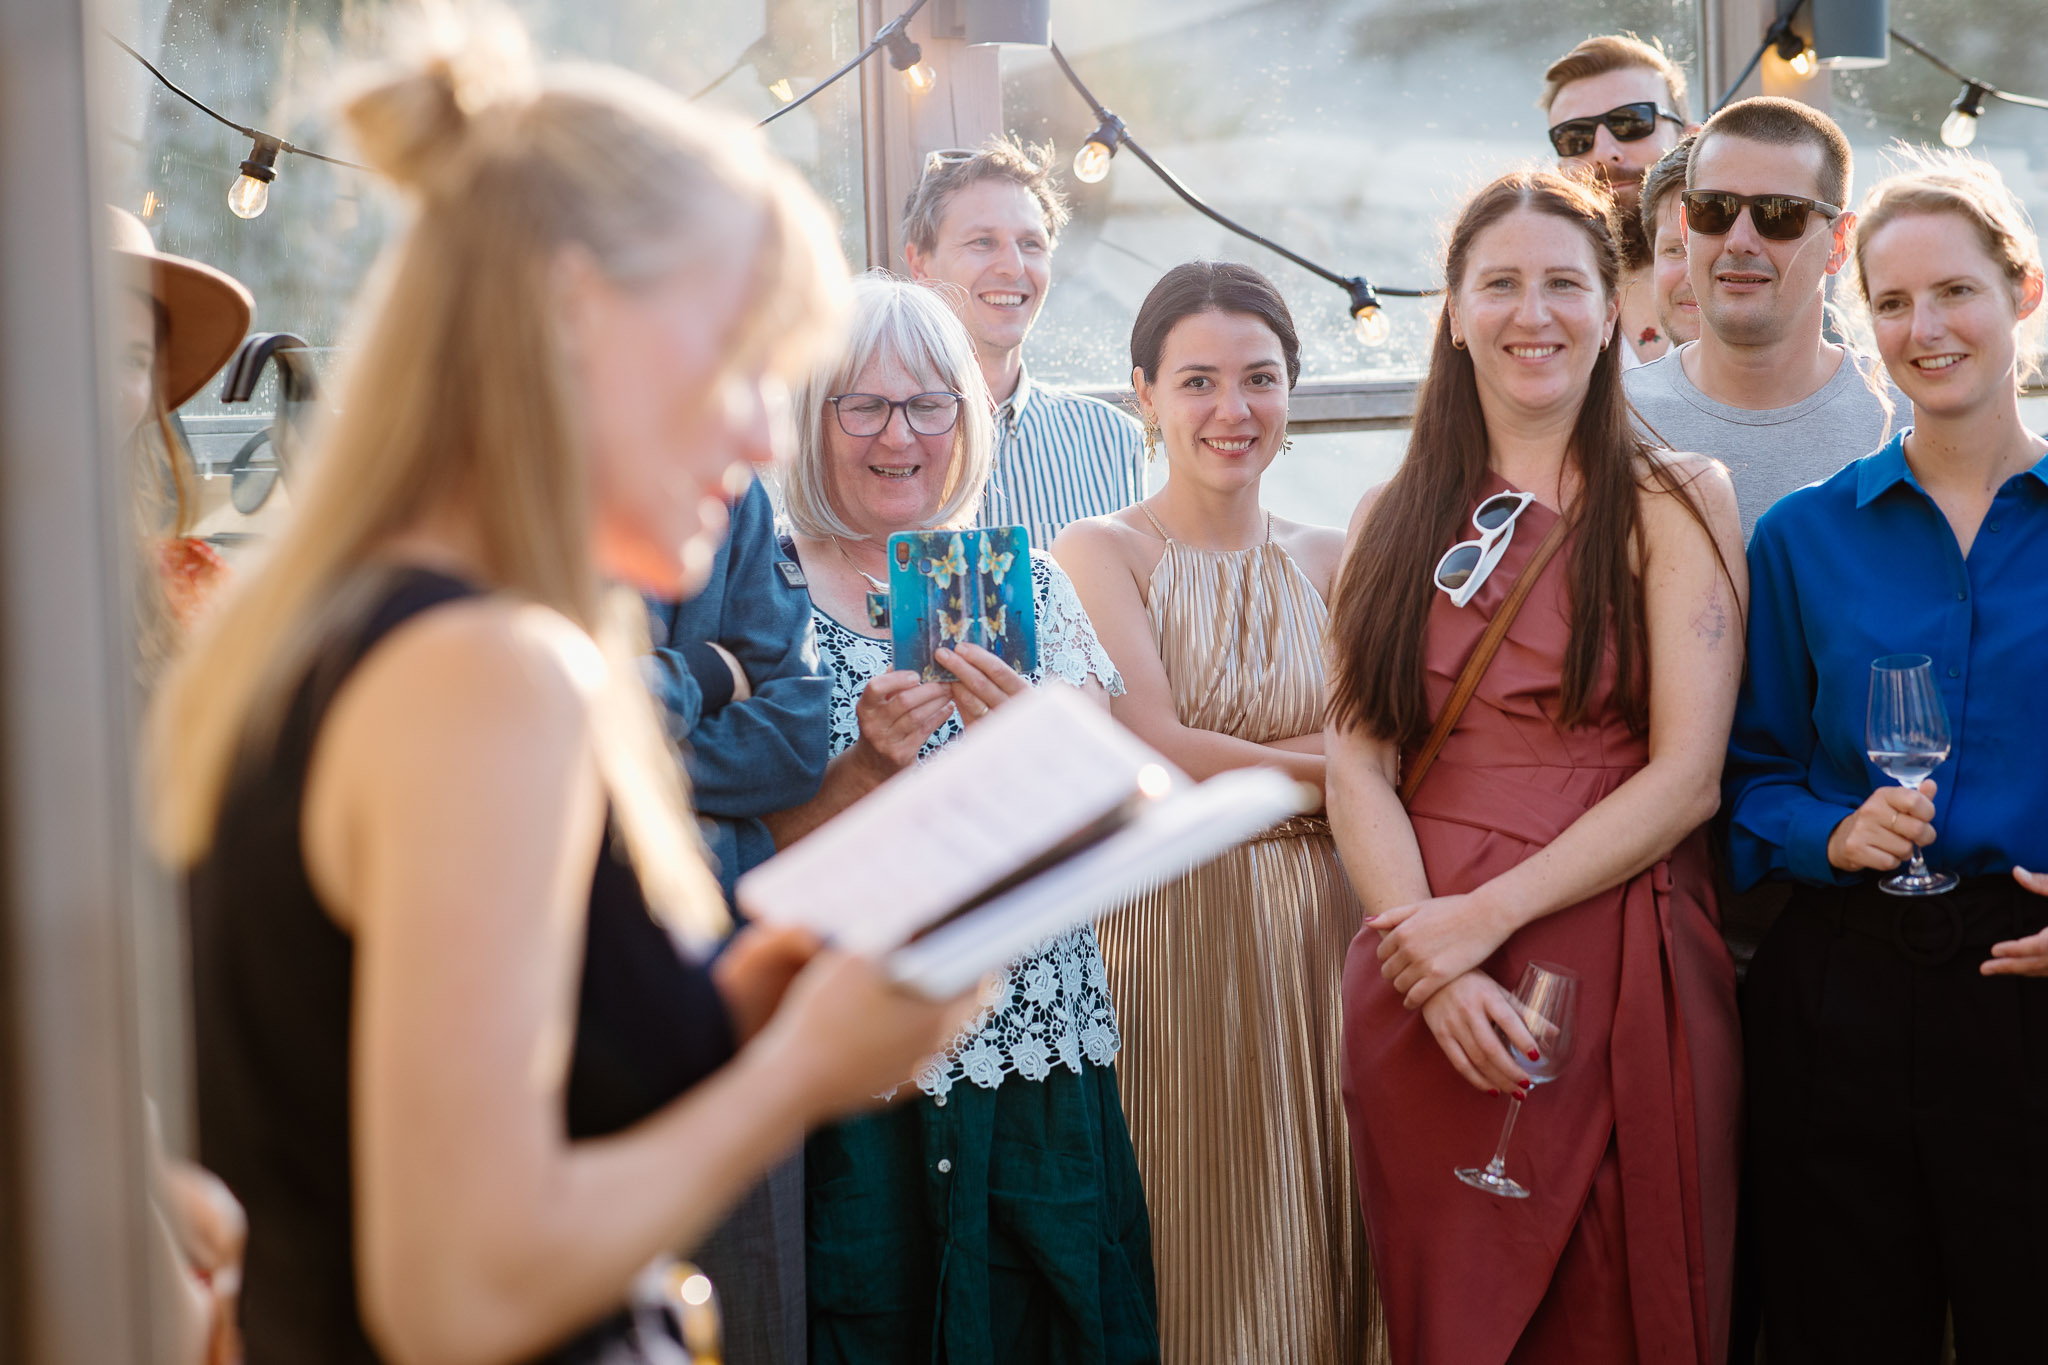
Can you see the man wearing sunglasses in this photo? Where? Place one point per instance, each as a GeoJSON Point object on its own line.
{"type": "Point", "coordinates": [985, 222]}
{"type": "Point", "coordinates": [1615, 105]}
{"type": "Point", "coordinates": [1762, 389]}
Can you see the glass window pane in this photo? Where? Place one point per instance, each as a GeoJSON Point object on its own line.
{"type": "Point", "coordinates": [1908, 98]}
{"type": "Point", "coordinates": [271, 64]}
{"type": "Point", "coordinates": [1346, 131]}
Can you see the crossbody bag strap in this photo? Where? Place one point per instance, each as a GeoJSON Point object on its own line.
{"type": "Point", "coordinates": [1482, 656]}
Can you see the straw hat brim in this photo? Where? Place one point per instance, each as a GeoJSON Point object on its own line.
{"type": "Point", "coordinates": [209, 314]}
{"type": "Point", "coordinates": [207, 310]}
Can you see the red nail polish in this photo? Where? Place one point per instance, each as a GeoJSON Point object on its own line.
{"type": "Point", "coordinates": [1494, 1093]}
{"type": "Point", "coordinates": [1522, 1095]}
{"type": "Point", "coordinates": [1533, 1055]}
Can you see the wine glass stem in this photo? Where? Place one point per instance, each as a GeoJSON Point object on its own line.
{"type": "Point", "coordinates": [1499, 1165]}
{"type": "Point", "coordinates": [1917, 867]}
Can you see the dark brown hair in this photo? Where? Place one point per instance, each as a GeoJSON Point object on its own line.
{"type": "Point", "coordinates": [1614, 52]}
{"type": "Point", "coordinates": [1779, 122]}
{"type": "Point", "coordinates": [1380, 612]}
{"type": "Point", "coordinates": [1661, 181]}
{"type": "Point", "coordinates": [1210, 287]}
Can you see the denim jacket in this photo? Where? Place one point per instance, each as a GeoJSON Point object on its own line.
{"type": "Point", "coordinates": [746, 758]}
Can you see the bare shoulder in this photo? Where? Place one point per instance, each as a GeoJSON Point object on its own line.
{"type": "Point", "coordinates": [1670, 474]}
{"type": "Point", "coordinates": [1366, 502]}
{"type": "Point", "coordinates": [1123, 539]}
{"type": "Point", "coordinates": [1319, 550]}
{"type": "Point", "coordinates": [490, 663]}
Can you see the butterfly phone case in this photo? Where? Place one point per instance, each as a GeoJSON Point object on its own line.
{"type": "Point", "coordinates": [948, 588]}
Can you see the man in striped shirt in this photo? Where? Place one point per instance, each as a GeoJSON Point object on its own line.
{"type": "Point", "coordinates": [985, 223]}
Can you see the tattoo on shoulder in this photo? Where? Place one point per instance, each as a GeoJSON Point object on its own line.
{"type": "Point", "coordinates": [1710, 622]}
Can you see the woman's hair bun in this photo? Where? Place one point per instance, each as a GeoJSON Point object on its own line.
{"type": "Point", "coordinates": [412, 119]}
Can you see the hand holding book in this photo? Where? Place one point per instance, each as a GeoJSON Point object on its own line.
{"type": "Point", "coordinates": [1046, 817]}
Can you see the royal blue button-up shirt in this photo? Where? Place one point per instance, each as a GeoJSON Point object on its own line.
{"type": "Point", "coordinates": [1862, 565]}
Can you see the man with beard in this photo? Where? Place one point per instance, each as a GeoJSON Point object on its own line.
{"type": "Point", "coordinates": [1616, 104]}
{"type": "Point", "coordinates": [1762, 389]}
{"type": "Point", "coordinates": [1678, 313]}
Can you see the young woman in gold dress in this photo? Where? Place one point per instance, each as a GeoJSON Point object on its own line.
{"type": "Point", "coordinates": [1226, 982]}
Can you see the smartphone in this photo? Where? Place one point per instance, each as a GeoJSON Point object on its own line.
{"type": "Point", "coordinates": [948, 588]}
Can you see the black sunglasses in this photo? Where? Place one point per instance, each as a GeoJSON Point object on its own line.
{"type": "Point", "coordinates": [1628, 123]}
{"type": "Point", "coordinates": [1778, 217]}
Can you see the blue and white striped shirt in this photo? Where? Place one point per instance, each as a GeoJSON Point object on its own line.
{"type": "Point", "coordinates": [1060, 457]}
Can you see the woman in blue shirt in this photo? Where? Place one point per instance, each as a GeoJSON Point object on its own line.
{"type": "Point", "coordinates": [1898, 1046]}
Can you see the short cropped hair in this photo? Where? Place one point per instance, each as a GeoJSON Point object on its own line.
{"type": "Point", "coordinates": [912, 324]}
{"type": "Point", "coordinates": [999, 158]}
{"type": "Point", "coordinates": [1663, 180]}
{"type": "Point", "coordinates": [1615, 52]}
{"type": "Point", "coordinates": [1781, 122]}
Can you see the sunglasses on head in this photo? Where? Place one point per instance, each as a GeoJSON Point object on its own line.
{"type": "Point", "coordinates": [1466, 565]}
{"type": "Point", "coordinates": [1777, 217]}
{"type": "Point", "coordinates": [1628, 123]}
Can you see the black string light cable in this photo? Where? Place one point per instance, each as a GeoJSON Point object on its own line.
{"type": "Point", "coordinates": [1959, 129]}
{"type": "Point", "coordinates": [1790, 45]}
{"type": "Point", "coordinates": [1091, 164]}
{"type": "Point", "coordinates": [904, 55]}
{"type": "Point", "coordinates": [250, 194]}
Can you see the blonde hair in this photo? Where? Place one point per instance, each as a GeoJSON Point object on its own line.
{"type": "Point", "coordinates": [1939, 180]}
{"type": "Point", "coordinates": [457, 394]}
{"type": "Point", "coordinates": [913, 325]}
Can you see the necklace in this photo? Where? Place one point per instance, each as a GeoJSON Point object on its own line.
{"type": "Point", "coordinates": [878, 591]}
{"type": "Point", "coordinates": [873, 582]}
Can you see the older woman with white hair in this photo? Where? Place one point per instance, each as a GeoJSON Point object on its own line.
{"type": "Point", "coordinates": [1001, 1218]}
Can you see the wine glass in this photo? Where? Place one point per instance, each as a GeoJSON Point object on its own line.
{"type": "Point", "coordinates": [1908, 739]}
{"type": "Point", "coordinates": [1545, 999]}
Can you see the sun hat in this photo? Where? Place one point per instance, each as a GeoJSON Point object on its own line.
{"type": "Point", "coordinates": [208, 309]}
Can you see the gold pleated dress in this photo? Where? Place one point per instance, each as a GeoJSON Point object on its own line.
{"type": "Point", "coordinates": [1227, 990]}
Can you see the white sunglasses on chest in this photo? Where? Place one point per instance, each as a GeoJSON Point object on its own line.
{"type": "Point", "coordinates": [1466, 565]}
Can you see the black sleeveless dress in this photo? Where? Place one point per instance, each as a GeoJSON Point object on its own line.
{"type": "Point", "coordinates": [272, 976]}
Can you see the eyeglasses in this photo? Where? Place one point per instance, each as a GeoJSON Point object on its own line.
{"type": "Point", "coordinates": [1628, 123]}
{"type": "Point", "coordinates": [868, 414]}
{"type": "Point", "coordinates": [1466, 565]}
{"type": "Point", "coordinates": [1776, 217]}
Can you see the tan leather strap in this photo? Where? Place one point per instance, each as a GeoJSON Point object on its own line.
{"type": "Point", "coordinates": [1482, 656]}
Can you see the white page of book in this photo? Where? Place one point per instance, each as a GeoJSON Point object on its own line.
{"type": "Point", "coordinates": [1169, 837]}
{"type": "Point", "coordinates": [1036, 771]}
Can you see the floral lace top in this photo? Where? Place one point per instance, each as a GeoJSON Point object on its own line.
{"type": "Point", "coordinates": [1052, 1006]}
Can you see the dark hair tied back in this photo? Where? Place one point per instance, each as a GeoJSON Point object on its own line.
{"type": "Point", "coordinates": [1210, 287]}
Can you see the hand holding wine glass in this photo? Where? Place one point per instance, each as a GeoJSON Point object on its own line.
{"type": "Point", "coordinates": [1908, 738]}
{"type": "Point", "coordinates": [1545, 998]}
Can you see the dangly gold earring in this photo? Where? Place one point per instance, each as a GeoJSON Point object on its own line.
{"type": "Point", "coordinates": [1151, 437]}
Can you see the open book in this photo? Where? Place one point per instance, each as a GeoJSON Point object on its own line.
{"type": "Point", "coordinates": [1044, 816]}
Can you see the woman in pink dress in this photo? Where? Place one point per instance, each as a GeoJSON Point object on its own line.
{"type": "Point", "coordinates": [1559, 822]}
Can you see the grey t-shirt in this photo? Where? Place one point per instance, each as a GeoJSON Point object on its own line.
{"type": "Point", "coordinates": [1771, 451]}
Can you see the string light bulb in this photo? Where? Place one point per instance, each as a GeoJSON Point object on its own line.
{"type": "Point", "coordinates": [1091, 163]}
{"type": "Point", "coordinates": [783, 91]}
{"type": "Point", "coordinates": [1368, 319]}
{"type": "Point", "coordinates": [250, 194]}
{"type": "Point", "coordinates": [1795, 50]}
{"type": "Point", "coordinates": [906, 56]}
{"type": "Point", "coordinates": [1959, 129]}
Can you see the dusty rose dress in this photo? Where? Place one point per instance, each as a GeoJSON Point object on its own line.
{"type": "Point", "coordinates": [1624, 1251]}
